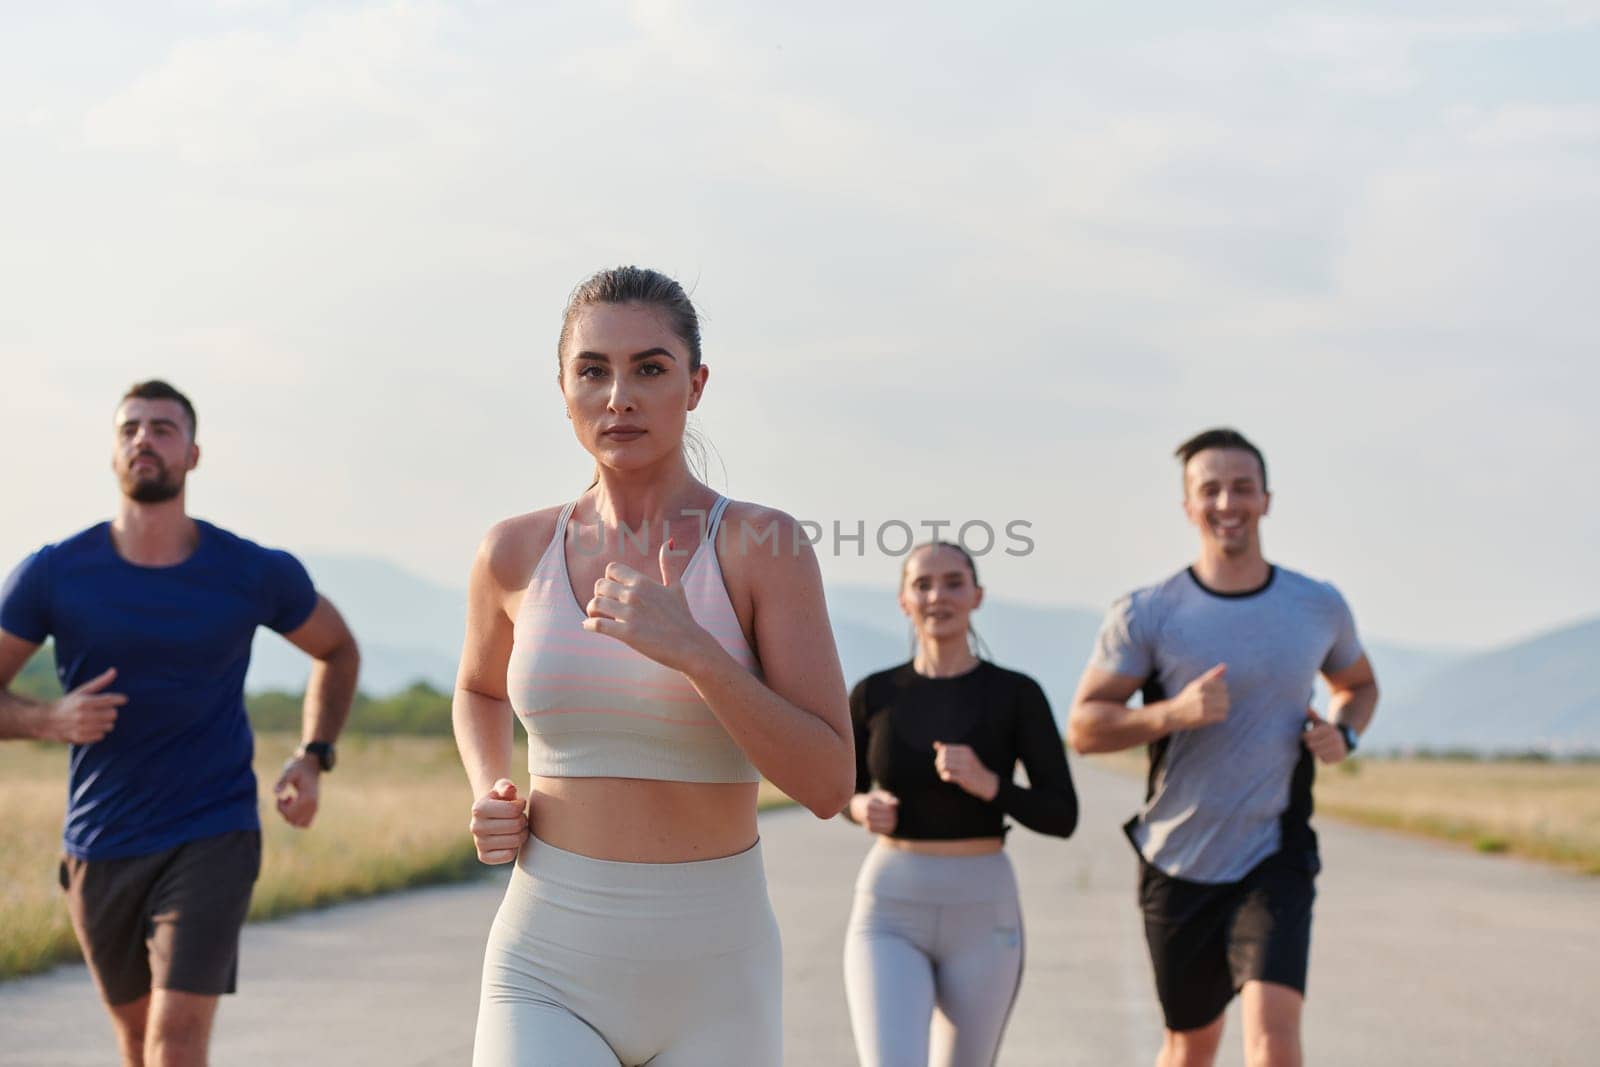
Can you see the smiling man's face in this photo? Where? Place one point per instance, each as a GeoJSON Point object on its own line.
{"type": "Point", "coordinates": [1224, 498]}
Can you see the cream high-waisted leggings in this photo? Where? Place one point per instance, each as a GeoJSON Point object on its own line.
{"type": "Point", "coordinates": [598, 962]}
{"type": "Point", "coordinates": [932, 958]}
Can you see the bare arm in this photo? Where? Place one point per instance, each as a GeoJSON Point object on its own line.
{"type": "Point", "coordinates": [19, 717]}
{"type": "Point", "coordinates": [794, 722]}
{"type": "Point", "coordinates": [1355, 696]}
{"type": "Point", "coordinates": [331, 689]}
{"type": "Point", "coordinates": [1101, 721]}
{"type": "Point", "coordinates": [80, 717]}
{"type": "Point", "coordinates": [481, 712]}
{"type": "Point", "coordinates": [336, 664]}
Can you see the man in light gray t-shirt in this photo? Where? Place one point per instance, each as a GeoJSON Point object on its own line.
{"type": "Point", "coordinates": [1220, 796]}
{"type": "Point", "coordinates": [1225, 653]}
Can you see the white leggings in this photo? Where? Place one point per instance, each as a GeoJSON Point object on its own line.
{"type": "Point", "coordinates": [597, 963]}
{"type": "Point", "coordinates": [932, 932]}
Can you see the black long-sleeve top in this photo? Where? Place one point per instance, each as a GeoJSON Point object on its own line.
{"type": "Point", "coordinates": [1003, 715]}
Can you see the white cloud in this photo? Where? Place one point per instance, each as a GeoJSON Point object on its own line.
{"type": "Point", "coordinates": [323, 86]}
{"type": "Point", "coordinates": [1520, 127]}
{"type": "Point", "coordinates": [1346, 50]}
{"type": "Point", "coordinates": [1022, 261]}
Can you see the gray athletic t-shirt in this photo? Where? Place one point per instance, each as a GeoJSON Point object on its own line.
{"type": "Point", "coordinates": [1219, 793]}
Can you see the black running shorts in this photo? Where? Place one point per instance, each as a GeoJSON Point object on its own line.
{"type": "Point", "coordinates": [169, 920]}
{"type": "Point", "coordinates": [1207, 940]}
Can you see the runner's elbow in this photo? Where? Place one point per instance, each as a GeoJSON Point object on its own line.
{"type": "Point", "coordinates": [832, 797]}
{"type": "Point", "coordinates": [1080, 736]}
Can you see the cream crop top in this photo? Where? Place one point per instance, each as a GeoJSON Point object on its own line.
{"type": "Point", "coordinates": [595, 708]}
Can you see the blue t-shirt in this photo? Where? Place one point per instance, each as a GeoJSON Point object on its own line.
{"type": "Point", "coordinates": [177, 765]}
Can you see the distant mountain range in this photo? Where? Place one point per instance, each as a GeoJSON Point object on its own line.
{"type": "Point", "coordinates": [1539, 693]}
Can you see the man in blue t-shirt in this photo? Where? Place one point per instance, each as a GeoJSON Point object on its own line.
{"type": "Point", "coordinates": [152, 615]}
{"type": "Point", "coordinates": [1226, 653]}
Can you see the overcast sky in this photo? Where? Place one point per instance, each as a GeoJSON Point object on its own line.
{"type": "Point", "coordinates": [964, 262]}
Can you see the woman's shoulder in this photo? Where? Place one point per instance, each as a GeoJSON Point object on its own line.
{"type": "Point", "coordinates": [880, 687]}
{"type": "Point", "coordinates": [511, 548]}
{"type": "Point", "coordinates": [898, 674]}
{"type": "Point", "coordinates": [762, 544]}
{"type": "Point", "coordinates": [1012, 681]}
{"type": "Point", "coordinates": [757, 528]}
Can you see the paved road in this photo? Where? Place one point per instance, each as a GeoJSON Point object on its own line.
{"type": "Point", "coordinates": [1423, 955]}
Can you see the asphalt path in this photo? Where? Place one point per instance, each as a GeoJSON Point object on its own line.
{"type": "Point", "coordinates": [1422, 954]}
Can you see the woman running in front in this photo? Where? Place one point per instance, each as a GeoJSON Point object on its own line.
{"type": "Point", "coordinates": [659, 671]}
{"type": "Point", "coordinates": [936, 922]}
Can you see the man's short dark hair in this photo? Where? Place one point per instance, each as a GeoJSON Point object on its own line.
{"type": "Point", "coordinates": [156, 389]}
{"type": "Point", "coordinates": [1221, 437]}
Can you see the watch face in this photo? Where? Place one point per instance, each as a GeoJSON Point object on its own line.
{"type": "Point", "coordinates": [322, 752]}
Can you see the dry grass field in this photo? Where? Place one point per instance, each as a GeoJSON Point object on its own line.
{"type": "Point", "coordinates": [393, 815]}
{"type": "Point", "coordinates": [1540, 810]}
{"type": "Point", "coordinates": [33, 922]}
{"type": "Point", "coordinates": [1544, 811]}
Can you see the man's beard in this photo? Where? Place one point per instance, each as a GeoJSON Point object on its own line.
{"type": "Point", "coordinates": [146, 490]}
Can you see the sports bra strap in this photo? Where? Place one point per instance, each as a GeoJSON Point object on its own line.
{"type": "Point", "coordinates": [715, 519]}
{"type": "Point", "coordinates": [561, 523]}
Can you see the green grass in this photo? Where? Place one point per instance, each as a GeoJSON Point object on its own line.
{"type": "Point", "coordinates": [393, 816]}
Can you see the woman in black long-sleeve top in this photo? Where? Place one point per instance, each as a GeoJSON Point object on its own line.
{"type": "Point", "coordinates": [936, 919]}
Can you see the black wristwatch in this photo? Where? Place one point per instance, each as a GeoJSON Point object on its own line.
{"type": "Point", "coordinates": [1351, 738]}
{"type": "Point", "coordinates": [321, 751]}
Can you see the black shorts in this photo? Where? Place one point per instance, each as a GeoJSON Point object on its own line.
{"type": "Point", "coordinates": [169, 920]}
{"type": "Point", "coordinates": [1206, 941]}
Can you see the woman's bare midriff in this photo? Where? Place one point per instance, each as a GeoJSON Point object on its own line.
{"type": "Point", "coordinates": [966, 846]}
{"type": "Point", "coordinates": [641, 821]}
